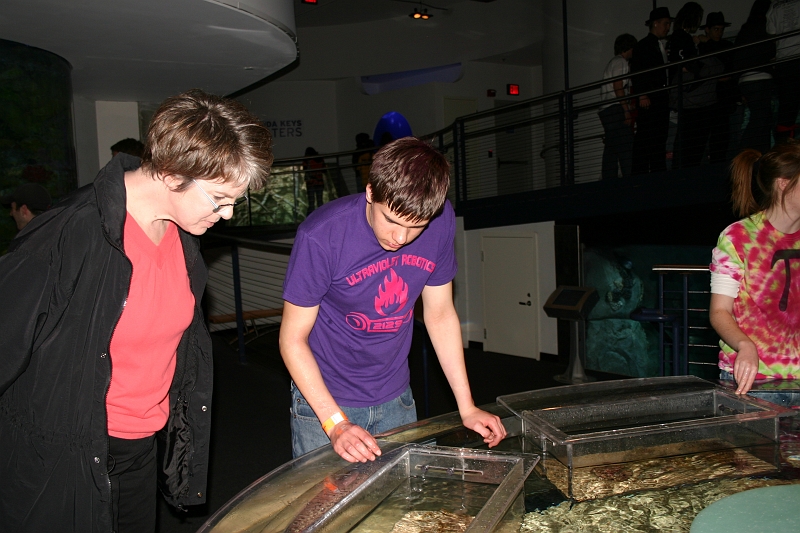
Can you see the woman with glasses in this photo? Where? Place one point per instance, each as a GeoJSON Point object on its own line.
{"type": "Point", "coordinates": [105, 373]}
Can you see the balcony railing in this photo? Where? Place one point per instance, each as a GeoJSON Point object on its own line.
{"type": "Point", "coordinates": [543, 150]}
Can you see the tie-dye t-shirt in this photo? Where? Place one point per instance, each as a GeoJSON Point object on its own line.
{"type": "Point", "coordinates": [766, 263]}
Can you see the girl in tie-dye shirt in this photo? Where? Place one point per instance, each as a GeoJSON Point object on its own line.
{"type": "Point", "coordinates": [755, 271]}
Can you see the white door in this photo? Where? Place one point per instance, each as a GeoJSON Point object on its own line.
{"type": "Point", "coordinates": [511, 295]}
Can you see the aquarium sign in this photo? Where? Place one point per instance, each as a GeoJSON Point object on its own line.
{"type": "Point", "coordinates": [285, 128]}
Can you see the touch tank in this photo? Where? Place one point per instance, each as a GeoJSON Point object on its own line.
{"type": "Point", "coordinates": [628, 455]}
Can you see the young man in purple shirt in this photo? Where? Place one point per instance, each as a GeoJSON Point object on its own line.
{"type": "Point", "coordinates": [358, 266]}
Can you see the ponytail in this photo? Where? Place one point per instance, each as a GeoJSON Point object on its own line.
{"type": "Point", "coordinates": [754, 177]}
{"type": "Point", "coordinates": [744, 175]}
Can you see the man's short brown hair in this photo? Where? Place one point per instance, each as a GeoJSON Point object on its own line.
{"type": "Point", "coordinates": [202, 136]}
{"type": "Point", "coordinates": [411, 177]}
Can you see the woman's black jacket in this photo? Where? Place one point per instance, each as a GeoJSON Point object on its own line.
{"type": "Point", "coordinates": [65, 281]}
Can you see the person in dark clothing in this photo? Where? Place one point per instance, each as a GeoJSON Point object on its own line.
{"type": "Point", "coordinates": [112, 277]}
{"type": "Point", "coordinates": [782, 17]}
{"type": "Point", "coordinates": [682, 45]}
{"type": "Point", "coordinates": [727, 92]}
{"type": "Point", "coordinates": [756, 84]}
{"type": "Point", "coordinates": [652, 122]}
{"type": "Point", "coordinates": [616, 116]}
{"type": "Point", "coordinates": [314, 178]}
{"type": "Point", "coordinates": [128, 146]}
{"type": "Point", "coordinates": [26, 202]}
{"type": "Point", "coordinates": [362, 160]}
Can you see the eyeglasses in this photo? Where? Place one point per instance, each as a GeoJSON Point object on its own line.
{"type": "Point", "coordinates": [219, 207]}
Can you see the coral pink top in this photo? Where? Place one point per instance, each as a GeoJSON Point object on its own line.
{"type": "Point", "coordinates": [158, 310]}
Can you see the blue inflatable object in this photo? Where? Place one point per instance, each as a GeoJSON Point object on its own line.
{"type": "Point", "coordinates": [394, 124]}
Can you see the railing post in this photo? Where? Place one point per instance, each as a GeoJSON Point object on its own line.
{"type": "Point", "coordinates": [237, 301]}
{"type": "Point", "coordinates": [570, 140]}
{"type": "Point", "coordinates": [296, 188]}
{"type": "Point", "coordinates": [686, 322]}
{"type": "Point", "coordinates": [459, 163]}
{"type": "Point", "coordinates": [249, 208]}
{"type": "Point", "coordinates": [678, 143]}
{"type": "Point", "coordinates": [562, 140]}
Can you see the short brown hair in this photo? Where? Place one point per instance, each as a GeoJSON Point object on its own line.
{"type": "Point", "coordinates": [411, 177]}
{"type": "Point", "coordinates": [754, 177]}
{"type": "Point", "coordinates": [202, 136]}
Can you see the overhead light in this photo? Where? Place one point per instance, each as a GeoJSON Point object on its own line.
{"type": "Point", "coordinates": [420, 14]}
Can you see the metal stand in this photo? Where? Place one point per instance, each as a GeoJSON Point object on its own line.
{"type": "Point", "coordinates": [573, 304]}
{"type": "Point", "coordinates": [575, 373]}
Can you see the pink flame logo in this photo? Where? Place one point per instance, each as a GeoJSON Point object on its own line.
{"type": "Point", "coordinates": [392, 296]}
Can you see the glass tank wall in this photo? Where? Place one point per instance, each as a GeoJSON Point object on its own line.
{"type": "Point", "coordinates": [625, 281]}
{"type": "Point", "coordinates": [676, 439]}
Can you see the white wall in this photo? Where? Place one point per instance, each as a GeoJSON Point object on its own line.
{"type": "Point", "coordinates": [331, 113]}
{"type": "Point", "coordinates": [469, 281]}
{"type": "Point", "coordinates": [468, 31]}
{"type": "Point", "coordinates": [115, 121]}
{"type": "Point", "coordinates": [85, 124]}
{"type": "Point", "coordinates": [300, 114]}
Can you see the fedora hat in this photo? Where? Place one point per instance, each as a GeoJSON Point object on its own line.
{"type": "Point", "coordinates": [715, 18]}
{"type": "Point", "coordinates": [658, 13]}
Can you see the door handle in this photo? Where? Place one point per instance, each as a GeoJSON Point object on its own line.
{"type": "Point", "coordinates": [523, 303]}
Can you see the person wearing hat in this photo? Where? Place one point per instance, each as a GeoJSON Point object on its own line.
{"type": "Point", "coordinates": [715, 26]}
{"type": "Point", "coordinates": [650, 141]}
{"type": "Point", "coordinates": [783, 17]}
{"type": "Point", "coordinates": [27, 201]}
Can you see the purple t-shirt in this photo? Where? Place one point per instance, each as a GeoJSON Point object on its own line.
{"type": "Point", "coordinates": [366, 296]}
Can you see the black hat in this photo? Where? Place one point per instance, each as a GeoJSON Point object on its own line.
{"type": "Point", "coordinates": [715, 18]}
{"type": "Point", "coordinates": [658, 13]}
{"type": "Point", "coordinates": [31, 194]}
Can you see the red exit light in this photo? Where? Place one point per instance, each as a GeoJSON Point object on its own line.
{"type": "Point", "coordinates": [308, 2]}
{"type": "Point", "coordinates": [512, 89]}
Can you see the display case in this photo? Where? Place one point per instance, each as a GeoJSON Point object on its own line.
{"type": "Point", "coordinates": [481, 490]}
{"type": "Point", "coordinates": [612, 437]}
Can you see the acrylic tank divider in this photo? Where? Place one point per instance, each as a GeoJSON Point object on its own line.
{"type": "Point", "coordinates": [628, 426]}
{"type": "Point", "coordinates": [322, 492]}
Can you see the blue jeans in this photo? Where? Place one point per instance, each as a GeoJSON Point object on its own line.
{"type": "Point", "coordinates": [770, 392]}
{"type": "Point", "coordinates": [307, 434]}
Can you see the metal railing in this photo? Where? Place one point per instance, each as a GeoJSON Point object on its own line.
{"type": "Point", "coordinates": [553, 142]}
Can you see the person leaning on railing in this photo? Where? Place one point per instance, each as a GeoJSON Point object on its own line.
{"type": "Point", "coordinates": [652, 121]}
{"type": "Point", "coordinates": [616, 116]}
{"type": "Point", "coordinates": [755, 296]}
